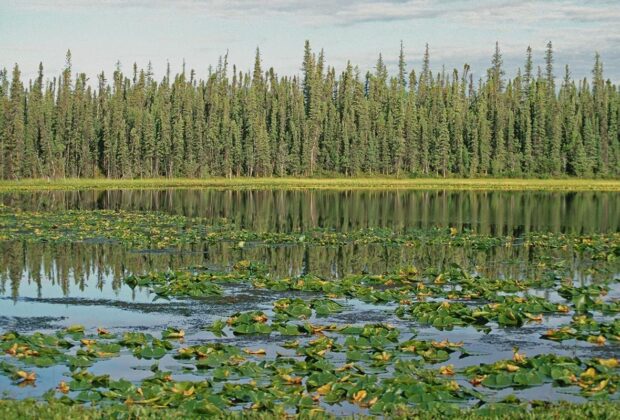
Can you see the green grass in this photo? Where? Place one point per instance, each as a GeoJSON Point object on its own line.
{"type": "Point", "coordinates": [30, 409]}
{"type": "Point", "coordinates": [484, 184]}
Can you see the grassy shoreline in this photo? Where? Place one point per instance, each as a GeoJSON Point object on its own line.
{"type": "Point", "coordinates": [57, 410]}
{"type": "Point", "coordinates": [479, 184]}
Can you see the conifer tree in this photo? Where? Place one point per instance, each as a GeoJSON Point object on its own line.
{"type": "Point", "coordinates": [14, 128]}
{"type": "Point", "coordinates": [257, 123]}
{"type": "Point", "coordinates": [402, 67]}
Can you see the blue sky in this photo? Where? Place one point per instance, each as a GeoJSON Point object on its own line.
{"type": "Point", "coordinates": [100, 33]}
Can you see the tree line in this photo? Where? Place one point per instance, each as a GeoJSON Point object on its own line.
{"type": "Point", "coordinates": [318, 123]}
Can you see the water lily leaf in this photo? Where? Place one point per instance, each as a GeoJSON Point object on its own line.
{"type": "Point", "coordinates": [498, 380]}
{"type": "Point", "coordinates": [88, 396]}
{"type": "Point", "coordinates": [527, 379]}
{"type": "Point", "coordinates": [149, 352]}
{"type": "Point", "coordinates": [173, 333]}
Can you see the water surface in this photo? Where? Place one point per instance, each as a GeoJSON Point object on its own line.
{"type": "Point", "coordinates": [45, 286]}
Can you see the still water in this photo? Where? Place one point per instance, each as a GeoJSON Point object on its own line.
{"type": "Point", "coordinates": [45, 286]}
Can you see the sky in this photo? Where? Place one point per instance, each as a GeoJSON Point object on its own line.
{"type": "Point", "coordinates": [102, 33]}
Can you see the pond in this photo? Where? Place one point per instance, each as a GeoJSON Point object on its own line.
{"type": "Point", "coordinates": [347, 301]}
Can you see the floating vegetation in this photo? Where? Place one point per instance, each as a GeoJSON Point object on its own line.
{"type": "Point", "coordinates": [424, 331]}
{"type": "Point", "coordinates": [507, 311]}
{"type": "Point", "coordinates": [593, 377]}
{"type": "Point", "coordinates": [588, 329]}
{"type": "Point", "coordinates": [446, 300]}
{"type": "Point", "coordinates": [379, 371]}
{"type": "Point", "coordinates": [151, 230]}
{"type": "Point", "coordinates": [312, 365]}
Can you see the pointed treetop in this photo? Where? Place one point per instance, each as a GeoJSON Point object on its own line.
{"type": "Point", "coordinates": [402, 66]}
{"type": "Point", "coordinates": [320, 63]}
{"type": "Point", "coordinates": [549, 65]}
{"type": "Point", "coordinates": [528, 64]}
{"type": "Point", "coordinates": [381, 70]}
{"type": "Point", "coordinates": [68, 60]}
{"type": "Point", "coordinates": [257, 76]}
{"type": "Point", "coordinates": [497, 72]}
{"type": "Point", "coordinates": [567, 75]}
{"type": "Point", "coordinates": [597, 71]}
{"type": "Point", "coordinates": [426, 64]}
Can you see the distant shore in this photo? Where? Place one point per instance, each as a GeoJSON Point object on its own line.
{"type": "Point", "coordinates": [482, 184]}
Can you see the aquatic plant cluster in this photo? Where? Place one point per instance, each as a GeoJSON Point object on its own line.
{"type": "Point", "coordinates": [308, 351]}
{"type": "Point", "coordinates": [152, 230]}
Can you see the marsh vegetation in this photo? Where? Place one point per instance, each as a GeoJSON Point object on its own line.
{"type": "Point", "coordinates": [320, 302]}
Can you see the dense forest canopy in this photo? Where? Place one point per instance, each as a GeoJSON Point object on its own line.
{"type": "Point", "coordinates": [319, 123]}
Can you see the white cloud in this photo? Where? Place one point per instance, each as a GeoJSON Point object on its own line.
{"type": "Point", "coordinates": [466, 30]}
{"type": "Point", "coordinates": [350, 11]}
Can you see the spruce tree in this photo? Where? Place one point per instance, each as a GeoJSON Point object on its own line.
{"type": "Point", "coordinates": [14, 128]}
{"type": "Point", "coordinates": [257, 123]}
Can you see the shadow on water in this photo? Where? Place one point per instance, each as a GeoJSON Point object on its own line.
{"type": "Point", "coordinates": [496, 213]}
{"type": "Point", "coordinates": [44, 286]}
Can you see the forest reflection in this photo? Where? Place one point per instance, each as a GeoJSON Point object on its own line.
{"type": "Point", "coordinates": [71, 267]}
{"type": "Point", "coordinates": [487, 212]}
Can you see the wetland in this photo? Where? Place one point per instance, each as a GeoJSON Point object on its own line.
{"type": "Point", "coordinates": [334, 302]}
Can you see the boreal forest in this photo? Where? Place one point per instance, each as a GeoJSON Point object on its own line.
{"type": "Point", "coordinates": [416, 122]}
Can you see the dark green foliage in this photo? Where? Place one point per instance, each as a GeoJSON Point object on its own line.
{"type": "Point", "coordinates": [260, 124]}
